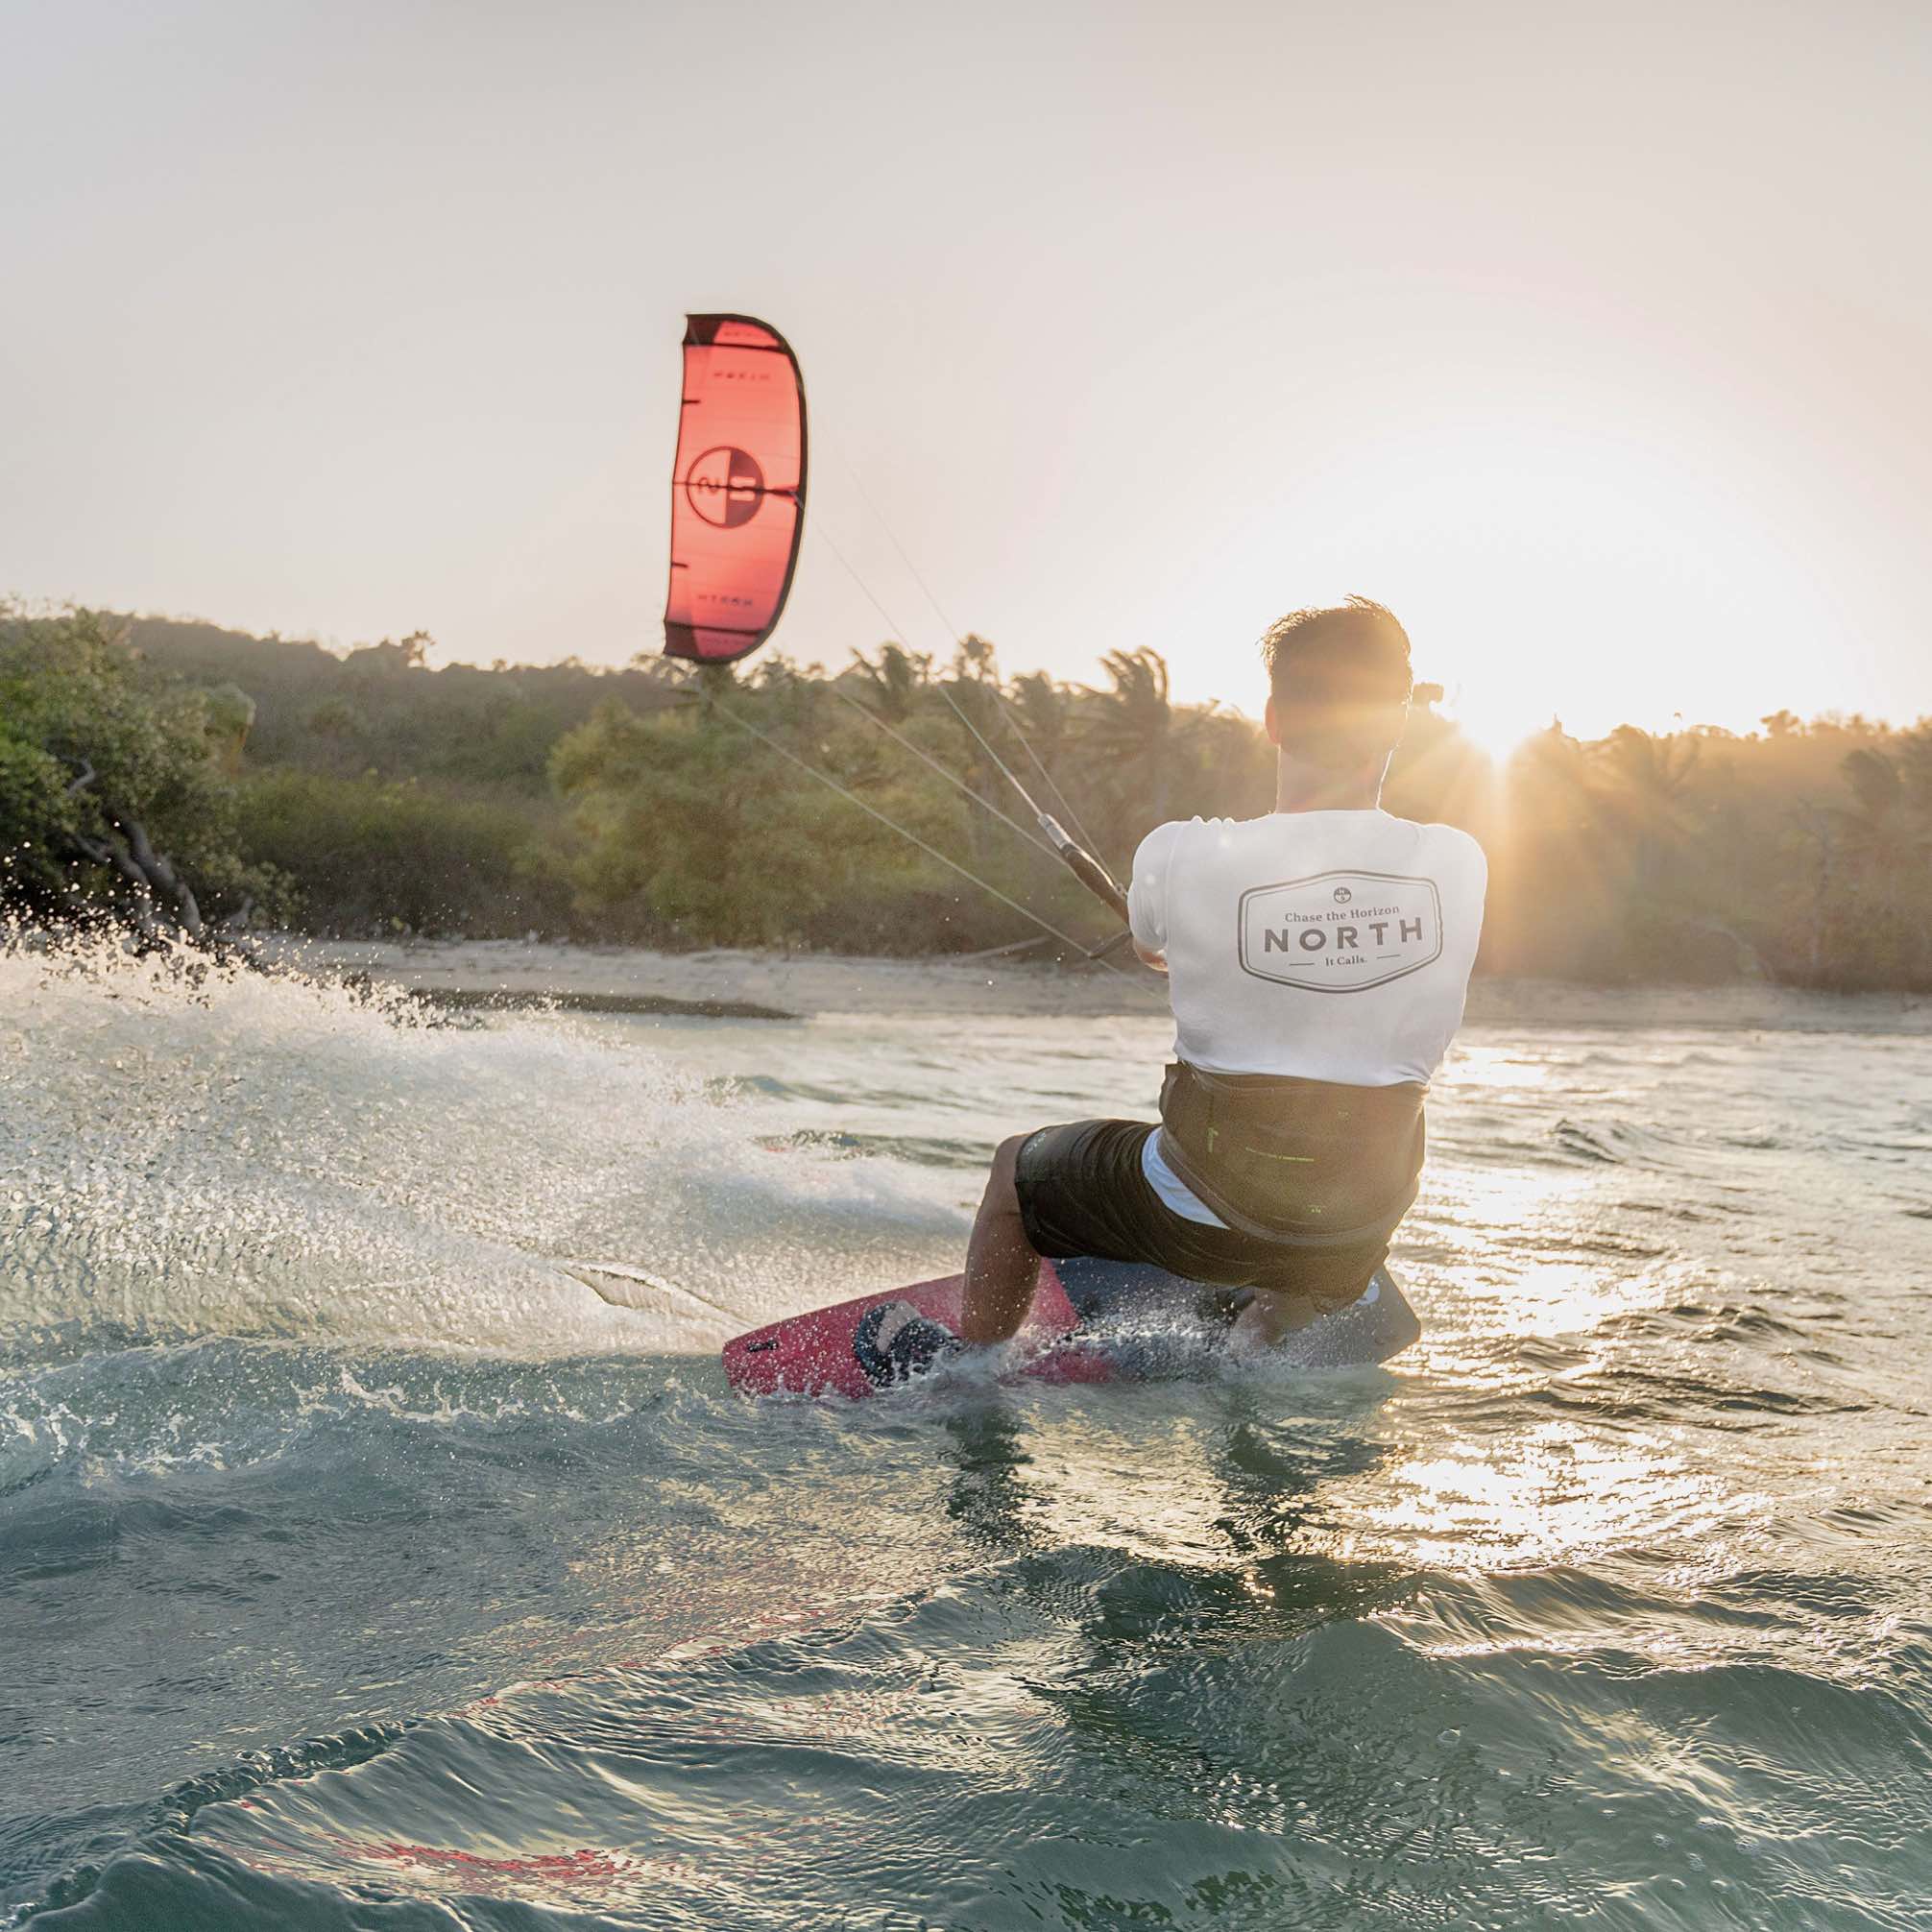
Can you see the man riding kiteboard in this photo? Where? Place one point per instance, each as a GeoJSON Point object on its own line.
{"type": "Point", "coordinates": [1317, 961]}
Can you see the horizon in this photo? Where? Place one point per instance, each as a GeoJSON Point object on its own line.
{"type": "Point", "coordinates": [1594, 356]}
{"type": "Point", "coordinates": [435, 660]}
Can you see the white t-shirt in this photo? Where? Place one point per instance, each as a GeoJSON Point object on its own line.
{"type": "Point", "coordinates": [1330, 945]}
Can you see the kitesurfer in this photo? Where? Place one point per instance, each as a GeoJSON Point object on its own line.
{"type": "Point", "coordinates": [1317, 960]}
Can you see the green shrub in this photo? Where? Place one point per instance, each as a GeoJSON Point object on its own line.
{"type": "Point", "coordinates": [371, 856]}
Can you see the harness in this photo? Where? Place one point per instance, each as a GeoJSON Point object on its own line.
{"type": "Point", "coordinates": [1305, 1164]}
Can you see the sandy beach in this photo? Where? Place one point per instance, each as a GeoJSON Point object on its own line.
{"type": "Point", "coordinates": [798, 986]}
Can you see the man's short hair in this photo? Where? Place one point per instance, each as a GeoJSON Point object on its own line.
{"type": "Point", "coordinates": [1340, 681]}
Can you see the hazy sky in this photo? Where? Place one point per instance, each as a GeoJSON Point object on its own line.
{"type": "Point", "coordinates": [1597, 342]}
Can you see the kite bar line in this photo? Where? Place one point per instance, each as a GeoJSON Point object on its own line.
{"type": "Point", "coordinates": [1004, 770]}
{"type": "Point", "coordinates": [953, 633]}
{"type": "Point", "coordinates": [894, 629]}
{"type": "Point", "coordinates": [931, 851]}
{"type": "Point", "coordinates": [946, 623]}
{"type": "Point", "coordinates": [952, 779]}
{"type": "Point", "coordinates": [1074, 855]}
{"type": "Point", "coordinates": [1071, 853]}
{"type": "Point", "coordinates": [1053, 784]}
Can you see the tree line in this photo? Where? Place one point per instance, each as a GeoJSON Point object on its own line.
{"type": "Point", "coordinates": [176, 776]}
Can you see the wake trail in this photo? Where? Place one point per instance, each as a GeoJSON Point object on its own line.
{"type": "Point", "coordinates": [226, 1152]}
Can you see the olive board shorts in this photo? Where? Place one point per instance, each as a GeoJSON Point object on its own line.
{"type": "Point", "coordinates": [1082, 1191]}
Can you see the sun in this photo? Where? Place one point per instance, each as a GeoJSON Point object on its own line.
{"type": "Point", "coordinates": [1493, 718]}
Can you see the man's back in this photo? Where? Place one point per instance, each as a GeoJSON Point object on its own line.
{"type": "Point", "coordinates": [1327, 945]}
{"type": "Point", "coordinates": [1317, 960]}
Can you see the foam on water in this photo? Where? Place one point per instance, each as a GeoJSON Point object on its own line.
{"type": "Point", "coordinates": [187, 1150]}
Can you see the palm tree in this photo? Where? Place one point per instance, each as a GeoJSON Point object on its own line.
{"type": "Point", "coordinates": [1135, 734]}
{"type": "Point", "coordinates": [895, 679]}
{"type": "Point", "coordinates": [972, 661]}
{"type": "Point", "coordinates": [1914, 753]}
{"type": "Point", "coordinates": [1641, 786]}
{"type": "Point", "coordinates": [972, 694]}
{"type": "Point", "coordinates": [1878, 828]}
{"type": "Point", "coordinates": [1040, 711]}
{"type": "Point", "coordinates": [1886, 838]}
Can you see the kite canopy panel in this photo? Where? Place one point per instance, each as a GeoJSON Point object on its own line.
{"type": "Point", "coordinates": [738, 489]}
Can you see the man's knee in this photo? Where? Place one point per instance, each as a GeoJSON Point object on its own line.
{"type": "Point", "coordinates": [1001, 1185]}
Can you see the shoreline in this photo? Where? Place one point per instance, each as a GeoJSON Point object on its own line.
{"type": "Point", "coordinates": [741, 984]}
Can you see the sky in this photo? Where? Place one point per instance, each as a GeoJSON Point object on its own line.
{"type": "Point", "coordinates": [1593, 341]}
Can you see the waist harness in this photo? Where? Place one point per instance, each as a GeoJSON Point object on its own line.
{"type": "Point", "coordinates": [1307, 1164]}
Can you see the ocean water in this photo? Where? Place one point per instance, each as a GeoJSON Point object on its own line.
{"type": "Point", "coordinates": [361, 1566]}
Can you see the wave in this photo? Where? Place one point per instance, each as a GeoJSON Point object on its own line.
{"type": "Point", "coordinates": [1134, 1740]}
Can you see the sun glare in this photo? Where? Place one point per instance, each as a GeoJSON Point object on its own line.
{"type": "Point", "coordinates": [1495, 721]}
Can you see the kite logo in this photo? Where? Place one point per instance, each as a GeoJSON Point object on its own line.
{"type": "Point", "coordinates": [725, 486]}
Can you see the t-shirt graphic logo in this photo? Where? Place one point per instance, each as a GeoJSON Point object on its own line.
{"type": "Point", "coordinates": [1340, 931]}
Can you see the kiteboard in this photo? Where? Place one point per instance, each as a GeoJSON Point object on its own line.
{"type": "Point", "coordinates": [1089, 1322]}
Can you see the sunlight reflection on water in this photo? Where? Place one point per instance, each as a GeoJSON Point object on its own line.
{"type": "Point", "coordinates": [1611, 1590]}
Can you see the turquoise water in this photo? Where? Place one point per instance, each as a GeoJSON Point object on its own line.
{"type": "Point", "coordinates": [361, 1567]}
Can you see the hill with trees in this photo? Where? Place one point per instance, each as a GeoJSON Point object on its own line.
{"type": "Point", "coordinates": [179, 775]}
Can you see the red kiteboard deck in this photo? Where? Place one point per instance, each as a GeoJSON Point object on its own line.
{"type": "Point", "coordinates": [812, 1354]}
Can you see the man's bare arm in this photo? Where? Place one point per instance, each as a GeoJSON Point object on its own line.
{"type": "Point", "coordinates": [1148, 958]}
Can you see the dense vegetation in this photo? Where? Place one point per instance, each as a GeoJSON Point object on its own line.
{"type": "Point", "coordinates": [115, 796]}
{"type": "Point", "coordinates": [368, 793]}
